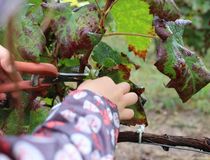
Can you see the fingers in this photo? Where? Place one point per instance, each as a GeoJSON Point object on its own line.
{"type": "Point", "coordinates": [6, 65]}
{"type": "Point", "coordinates": [5, 60]}
{"type": "Point", "coordinates": [129, 99]}
{"type": "Point", "coordinates": [126, 114]}
{"type": "Point", "coordinates": [119, 94]}
{"type": "Point", "coordinates": [123, 87]}
{"type": "Point", "coordinates": [106, 79]}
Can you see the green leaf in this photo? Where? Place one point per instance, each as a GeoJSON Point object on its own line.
{"type": "Point", "coordinates": [69, 62]}
{"type": "Point", "coordinates": [139, 114]}
{"type": "Point", "coordinates": [133, 17]}
{"type": "Point", "coordinates": [94, 38]}
{"type": "Point", "coordinates": [64, 27]}
{"type": "Point", "coordinates": [77, 32]}
{"type": "Point", "coordinates": [36, 14]}
{"type": "Point", "coordinates": [121, 74]}
{"type": "Point", "coordinates": [105, 55]}
{"type": "Point", "coordinates": [35, 2]}
{"type": "Point", "coordinates": [30, 40]}
{"type": "Point", "coordinates": [4, 113]}
{"type": "Point", "coordinates": [37, 117]}
{"type": "Point", "coordinates": [13, 123]}
{"type": "Point", "coordinates": [48, 101]}
{"type": "Point", "coordinates": [118, 43]}
{"type": "Point", "coordinates": [186, 70]}
{"type": "Point", "coordinates": [101, 3]}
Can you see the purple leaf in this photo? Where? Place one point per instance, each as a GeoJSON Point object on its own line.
{"type": "Point", "coordinates": [186, 70]}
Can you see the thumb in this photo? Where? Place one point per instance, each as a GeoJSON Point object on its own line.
{"type": "Point", "coordinates": [5, 60]}
{"type": "Point", "coordinates": [6, 65]}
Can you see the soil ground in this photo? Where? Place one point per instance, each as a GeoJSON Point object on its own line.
{"type": "Point", "coordinates": [180, 123]}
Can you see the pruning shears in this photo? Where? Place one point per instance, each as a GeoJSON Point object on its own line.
{"type": "Point", "coordinates": [43, 75]}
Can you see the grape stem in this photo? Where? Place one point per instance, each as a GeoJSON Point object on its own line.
{"type": "Point", "coordinates": [129, 34]}
{"type": "Point", "coordinates": [96, 1]}
{"type": "Point", "coordinates": [110, 7]}
{"type": "Point", "coordinates": [108, 4]}
{"type": "Point", "coordinates": [103, 14]}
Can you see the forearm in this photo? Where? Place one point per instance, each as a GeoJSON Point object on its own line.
{"type": "Point", "coordinates": [84, 126]}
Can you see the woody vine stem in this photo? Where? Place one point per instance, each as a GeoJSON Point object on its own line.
{"type": "Point", "coordinates": [201, 145]}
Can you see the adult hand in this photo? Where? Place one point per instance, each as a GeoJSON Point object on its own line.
{"type": "Point", "coordinates": [5, 60]}
{"type": "Point", "coordinates": [7, 71]}
{"type": "Point", "coordinates": [117, 93]}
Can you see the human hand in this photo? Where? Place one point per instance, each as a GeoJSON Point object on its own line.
{"type": "Point", "coordinates": [119, 94]}
{"type": "Point", "coordinates": [5, 60]}
{"type": "Point", "coordinates": [7, 71]}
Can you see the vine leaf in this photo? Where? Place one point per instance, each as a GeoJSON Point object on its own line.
{"type": "Point", "coordinates": [69, 62]}
{"type": "Point", "coordinates": [138, 108]}
{"type": "Point", "coordinates": [165, 9]}
{"type": "Point", "coordinates": [121, 71]}
{"type": "Point", "coordinates": [4, 113]}
{"type": "Point", "coordinates": [37, 117]}
{"type": "Point", "coordinates": [30, 40]}
{"type": "Point", "coordinates": [121, 74]}
{"type": "Point", "coordinates": [75, 31]}
{"type": "Point", "coordinates": [186, 70]}
{"type": "Point", "coordinates": [104, 55]}
{"type": "Point", "coordinates": [12, 123]}
{"type": "Point", "coordinates": [35, 2]}
{"type": "Point", "coordinates": [133, 17]}
{"type": "Point", "coordinates": [141, 54]}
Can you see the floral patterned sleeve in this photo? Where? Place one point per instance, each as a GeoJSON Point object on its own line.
{"type": "Point", "coordinates": [84, 126]}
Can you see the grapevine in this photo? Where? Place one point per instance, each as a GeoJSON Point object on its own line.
{"type": "Point", "coordinates": [81, 38]}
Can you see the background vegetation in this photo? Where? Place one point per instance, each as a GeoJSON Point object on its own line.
{"type": "Point", "coordinates": [110, 57]}
{"type": "Point", "coordinates": [197, 37]}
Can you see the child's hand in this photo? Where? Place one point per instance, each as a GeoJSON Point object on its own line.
{"type": "Point", "coordinates": [117, 93]}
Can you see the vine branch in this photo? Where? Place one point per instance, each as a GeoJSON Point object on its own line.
{"type": "Point", "coordinates": [201, 145]}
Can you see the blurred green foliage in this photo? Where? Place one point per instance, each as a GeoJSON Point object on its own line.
{"type": "Point", "coordinates": [197, 36]}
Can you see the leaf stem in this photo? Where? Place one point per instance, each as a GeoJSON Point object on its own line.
{"type": "Point", "coordinates": [110, 7]}
{"type": "Point", "coordinates": [108, 4]}
{"type": "Point", "coordinates": [129, 34]}
{"type": "Point", "coordinates": [96, 1]}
